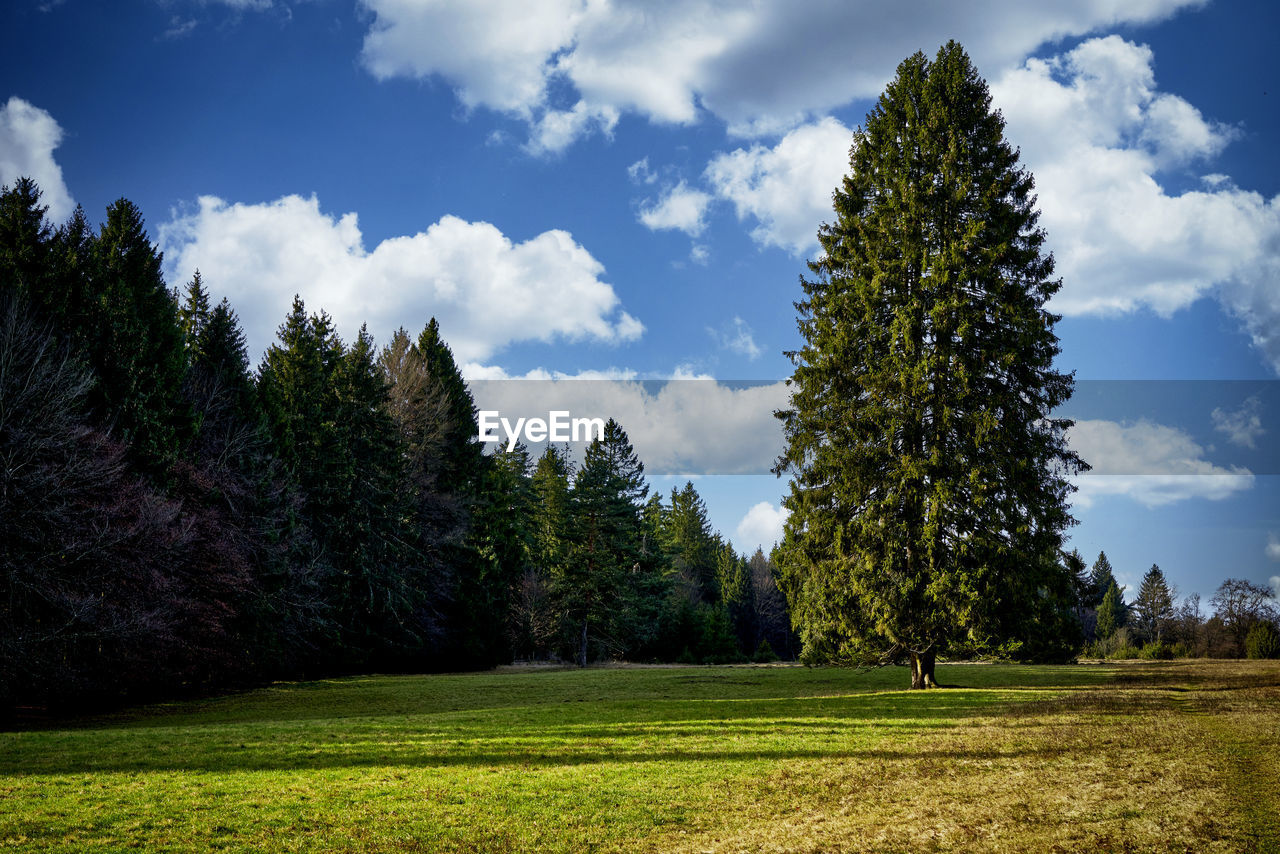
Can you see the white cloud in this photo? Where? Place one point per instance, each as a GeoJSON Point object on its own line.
{"type": "Point", "coordinates": [641, 173]}
{"type": "Point", "coordinates": [786, 189]}
{"type": "Point", "coordinates": [1243, 426]}
{"type": "Point", "coordinates": [680, 208]}
{"type": "Point", "coordinates": [179, 27]}
{"type": "Point", "coordinates": [736, 337]}
{"type": "Point", "coordinates": [761, 526]}
{"type": "Point", "coordinates": [1149, 463]}
{"type": "Point", "coordinates": [28, 136]}
{"type": "Point", "coordinates": [687, 425]}
{"type": "Point", "coordinates": [1273, 547]}
{"type": "Point", "coordinates": [1096, 134]}
{"type": "Point", "coordinates": [485, 290]}
{"type": "Point", "coordinates": [1275, 585]}
{"type": "Point", "coordinates": [496, 54]}
{"type": "Point", "coordinates": [556, 129]}
{"type": "Point", "coordinates": [761, 68]}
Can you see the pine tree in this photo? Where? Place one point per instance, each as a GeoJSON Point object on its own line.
{"type": "Point", "coordinates": [25, 246]}
{"type": "Point", "coordinates": [1112, 611]}
{"type": "Point", "coordinates": [136, 350]}
{"type": "Point", "coordinates": [1153, 606]}
{"type": "Point", "coordinates": [193, 315]}
{"type": "Point", "coordinates": [505, 540]}
{"type": "Point", "coordinates": [607, 498]}
{"type": "Point", "coordinates": [929, 490]}
{"type": "Point", "coordinates": [1101, 578]}
{"type": "Point", "coordinates": [690, 545]}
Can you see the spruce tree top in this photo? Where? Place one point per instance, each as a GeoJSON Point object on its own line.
{"type": "Point", "coordinates": [929, 486]}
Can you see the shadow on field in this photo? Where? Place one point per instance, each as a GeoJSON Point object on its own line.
{"type": "Point", "coordinates": [884, 726]}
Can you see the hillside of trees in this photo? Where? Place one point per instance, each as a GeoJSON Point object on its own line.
{"type": "Point", "coordinates": [177, 521]}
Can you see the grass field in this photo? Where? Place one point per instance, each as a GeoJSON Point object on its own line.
{"type": "Point", "coordinates": [1135, 757]}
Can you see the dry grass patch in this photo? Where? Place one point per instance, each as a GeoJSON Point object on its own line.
{"type": "Point", "coordinates": [1180, 757]}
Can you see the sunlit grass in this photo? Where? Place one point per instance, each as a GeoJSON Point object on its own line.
{"type": "Point", "coordinates": [1158, 757]}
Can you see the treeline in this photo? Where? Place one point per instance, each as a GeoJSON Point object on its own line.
{"type": "Point", "coordinates": [1243, 622]}
{"type": "Point", "coordinates": [175, 521]}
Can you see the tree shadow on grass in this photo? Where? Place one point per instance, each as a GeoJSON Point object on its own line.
{"type": "Point", "coordinates": [852, 727]}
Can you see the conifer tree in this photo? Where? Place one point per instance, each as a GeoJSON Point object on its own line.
{"type": "Point", "coordinates": [1101, 578]}
{"type": "Point", "coordinates": [136, 349]}
{"type": "Point", "coordinates": [1111, 612]}
{"type": "Point", "coordinates": [607, 498]}
{"type": "Point", "coordinates": [551, 481]}
{"type": "Point", "coordinates": [1153, 606]}
{"type": "Point", "coordinates": [691, 546]}
{"type": "Point", "coordinates": [25, 245]}
{"type": "Point", "coordinates": [930, 477]}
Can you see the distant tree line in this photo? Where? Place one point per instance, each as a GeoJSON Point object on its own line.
{"type": "Point", "coordinates": [1242, 623]}
{"type": "Point", "coordinates": [176, 521]}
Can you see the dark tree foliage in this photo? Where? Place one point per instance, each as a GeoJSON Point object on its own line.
{"type": "Point", "coordinates": [109, 586]}
{"type": "Point", "coordinates": [230, 470]}
{"type": "Point", "coordinates": [928, 500]}
{"type": "Point", "coordinates": [327, 411]}
{"type": "Point", "coordinates": [135, 347]}
{"type": "Point", "coordinates": [1101, 579]}
{"type": "Point", "coordinates": [175, 525]}
{"type": "Point", "coordinates": [26, 247]}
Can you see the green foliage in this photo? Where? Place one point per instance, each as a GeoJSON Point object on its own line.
{"type": "Point", "coordinates": [1111, 611]}
{"type": "Point", "coordinates": [764, 653]}
{"type": "Point", "coordinates": [1101, 579]}
{"type": "Point", "coordinates": [1262, 641]}
{"type": "Point", "coordinates": [1153, 606]}
{"type": "Point", "coordinates": [137, 351]}
{"type": "Point", "coordinates": [929, 473]}
{"type": "Point", "coordinates": [605, 558]}
{"type": "Point", "coordinates": [690, 545]}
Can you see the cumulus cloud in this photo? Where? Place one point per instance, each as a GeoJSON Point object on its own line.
{"type": "Point", "coordinates": [1242, 426]}
{"type": "Point", "coordinates": [761, 526]}
{"type": "Point", "coordinates": [1098, 134]}
{"type": "Point", "coordinates": [1273, 547]}
{"type": "Point", "coordinates": [486, 290]}
{"type": "Point", "coordinates": [1151, 464]}
{"type": "Point", "coordinates": [680, 208]}
{"type": "Point", "coordinates": [785, 189]}
{"type": "Point", "coordinates": [761, 67]}
{"type": "Point", "coordinates": [736, 337]}
{"type": "Point", "coordinates": [28, 136]}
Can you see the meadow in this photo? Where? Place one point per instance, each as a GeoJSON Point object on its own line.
{"type": "Point", "coordinates": [1153, 756]}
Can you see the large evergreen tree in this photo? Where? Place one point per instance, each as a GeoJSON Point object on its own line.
{"type": "Point", "coordinates": [929, 489]}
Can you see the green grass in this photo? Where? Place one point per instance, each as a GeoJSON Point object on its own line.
{"type": "Point", "coordinates": [1141, 757]}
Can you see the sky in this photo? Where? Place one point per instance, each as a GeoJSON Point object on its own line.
{"type": "Point", "coordinates": [629, 191]}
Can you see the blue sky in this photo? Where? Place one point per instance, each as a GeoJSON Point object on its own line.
{"type": "Point", "coordinates": [630, 190]}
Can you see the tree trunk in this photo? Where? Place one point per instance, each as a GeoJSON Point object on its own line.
{"type": "Point", "coordinates": [922, 669]}
{"type": "Point", "coordinates": [582, 647]}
